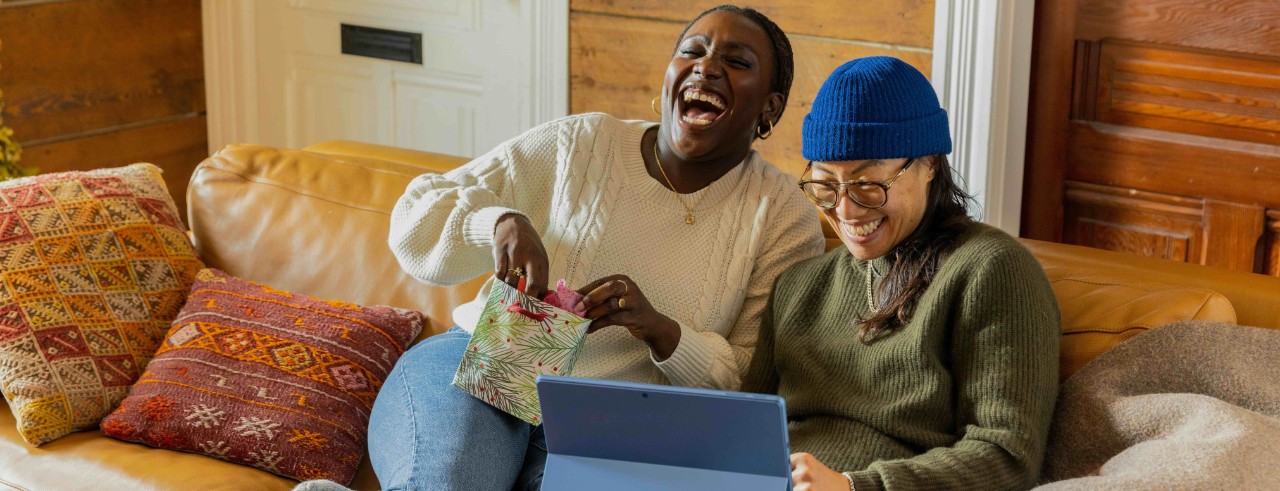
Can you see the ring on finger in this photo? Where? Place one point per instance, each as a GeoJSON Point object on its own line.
{"type": "Point", "coordinates": [516, 271]}
{"type": "Point", "coordinates": [622, 303]}
{"type": "Point", "coordinates": [625, 288]}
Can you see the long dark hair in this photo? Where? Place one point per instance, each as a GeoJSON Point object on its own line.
{"type": "Point", "coordinates": [784, 65]}
{"type": "Point", "coordinates": [914, 262]}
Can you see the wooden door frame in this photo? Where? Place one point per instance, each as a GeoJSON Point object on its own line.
{"type": "Point", "coordinates": [550, 91]}
{"type": "Point", "coordinates": [981, 71]}
{"type": "Point", "coordinates": [230, 72]}
{"type": "Point", "coordinates": [1049, 119]}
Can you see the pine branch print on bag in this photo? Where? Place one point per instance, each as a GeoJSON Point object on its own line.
{"type": "Point", "coordinates": [510, 348]}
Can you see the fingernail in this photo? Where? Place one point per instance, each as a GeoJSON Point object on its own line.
{"type": "Point", "coordinates": [579, 307]}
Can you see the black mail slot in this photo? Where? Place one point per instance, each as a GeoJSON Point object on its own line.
{"type": "Point", "coordinates": [382, 43]}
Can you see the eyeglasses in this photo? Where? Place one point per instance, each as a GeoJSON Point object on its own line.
{"type": "Point", "coordinates": [867, 194]}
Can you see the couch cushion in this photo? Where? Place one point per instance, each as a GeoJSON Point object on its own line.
{"type": "Point", "coordinates": [1100, 307]}
{"type": "Point", "coordinates": [311, 223]}
{"type": "Point", "coordinates": [1252, 296]}
{"type": "Point", "coordinates": [94, 267]}
{"type": "Point", "coordinates": [354, 150]}
{"type": "Point", "coordinates": [88, 460]}
{"type": "Point", "coordinates": [259, 376]}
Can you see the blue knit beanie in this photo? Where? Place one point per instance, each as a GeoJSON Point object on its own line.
{"type": "Point", "coordinates": [875, 108]}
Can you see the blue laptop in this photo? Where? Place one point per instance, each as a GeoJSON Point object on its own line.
{"type": "Point", "coordinates": [625, 436]}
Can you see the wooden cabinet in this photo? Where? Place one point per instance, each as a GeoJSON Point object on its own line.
{"type": "Point", "coordinates": [1155, 129]}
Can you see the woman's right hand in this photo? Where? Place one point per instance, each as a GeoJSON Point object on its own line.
{"type": "Point", "coordinates": [518, 251]}
{"type": "Point", "coordinates": [810, 474]}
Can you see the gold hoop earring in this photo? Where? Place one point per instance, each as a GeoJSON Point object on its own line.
{"type": "Point", "coordinates": [766, 135]}
{"type": "Point", "coordinates": [653, 104]}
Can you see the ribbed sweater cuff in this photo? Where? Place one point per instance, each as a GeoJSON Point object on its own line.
{"type": "Point", "coordinates": [866, 480]}
{"type": "Point", "coordinates": [690, 363]}
{"type": "Point", "coordinates": [478, 228]}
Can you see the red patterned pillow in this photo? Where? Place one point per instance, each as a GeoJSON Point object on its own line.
{"type": "Point", "coordinates": [280, 381]}
{"type": "Point", "coordinates": [93, 268]}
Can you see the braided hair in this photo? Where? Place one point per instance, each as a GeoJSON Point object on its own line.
{"type": "Point", "coordinates": [783, 59]}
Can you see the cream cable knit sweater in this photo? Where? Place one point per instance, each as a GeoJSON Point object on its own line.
{"type": "Point", "coordinates": [582, 182]}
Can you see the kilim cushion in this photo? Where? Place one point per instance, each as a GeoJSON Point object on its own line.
{"type": "Point", "coordinates": [93, 268]}
{"type": "Point", "coordinates": [280, 381]}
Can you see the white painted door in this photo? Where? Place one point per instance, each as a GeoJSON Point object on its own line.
{"type": "Point", "coordinates": [476, 87]}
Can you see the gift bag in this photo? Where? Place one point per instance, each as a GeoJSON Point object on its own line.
{"type": "Point", "coordinates": [517, 338]}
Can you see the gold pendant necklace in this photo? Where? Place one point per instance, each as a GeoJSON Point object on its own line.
{"type": "Point", "coordinates": [688, 217]}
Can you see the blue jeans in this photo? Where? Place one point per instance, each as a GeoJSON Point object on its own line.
{"type": "Point", "coordinates": [425, 433]}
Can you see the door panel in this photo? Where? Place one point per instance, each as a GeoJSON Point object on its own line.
{"type": "Point", "coordinates": [439, 114]}
{"type": "Point", "coordinates": [470, 93]}
{"type": "Point", "coordinates": [328, 99]}
{"type": "Point", "coordinates": [1241, 26]}
{"type": "Point", "coordinates": [1155, 129]}
{"type": "Point", "coordinates": [1202, 93]}
{"type": "Point", "coordinates": [1236, 231]}
{"type": "Point", "coordinates": [1175, 163]}
{"type": "Point", "coordinates": [1151, 224]}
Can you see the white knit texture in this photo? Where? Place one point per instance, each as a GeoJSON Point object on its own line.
{"type": "Point", "coordinates": [582, 183]}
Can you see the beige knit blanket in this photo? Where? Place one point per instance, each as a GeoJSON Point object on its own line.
{"type": "Point", "coordinates": [1192, 405]}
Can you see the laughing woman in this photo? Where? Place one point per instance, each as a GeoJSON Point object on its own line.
{"type": "Point", "coordinates": [676, 229]}
{"type": "Point", "coordinates": [923, 354]}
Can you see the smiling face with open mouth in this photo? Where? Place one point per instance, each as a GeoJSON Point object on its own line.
{"type": "Point", "coordinates": [717, 87]}
{"type": "Point", "coordinates": [871, 233]}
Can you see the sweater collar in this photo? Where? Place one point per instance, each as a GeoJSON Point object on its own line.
{"type": "Point", "coordinates": [881, 265]}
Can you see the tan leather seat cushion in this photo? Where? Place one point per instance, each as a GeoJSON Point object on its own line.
{"type": "Point", "coordinates": [424, 161]}
{"type": "Point", "coordinates": [89, 460]}
{"type": "Point", "coordinates": [311, 223]}
{"type": "Point", "coordinates": [1254, 297]}
{"type": "Point", "coordinates": [1101, 310]}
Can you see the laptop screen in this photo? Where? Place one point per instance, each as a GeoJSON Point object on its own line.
{"type": "Point", "coordinates": [673, 426]}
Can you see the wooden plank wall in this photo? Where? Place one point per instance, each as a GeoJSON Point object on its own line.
{"type": "Point", "coordinates": [619, 49]}
{"type": "Point", "coordinates": [105, 83]}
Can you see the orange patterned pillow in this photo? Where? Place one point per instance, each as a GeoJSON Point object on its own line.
{"type": "Point", "coordinates": [280, 381]}
{"type": "Point", "coordinates": [93, 268]}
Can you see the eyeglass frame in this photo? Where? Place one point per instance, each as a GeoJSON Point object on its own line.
{"type": "Point", "coordinates": [842, 188]}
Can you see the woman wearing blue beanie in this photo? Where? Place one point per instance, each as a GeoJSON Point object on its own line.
{"type": "Point", "coordinates": [923, 354]}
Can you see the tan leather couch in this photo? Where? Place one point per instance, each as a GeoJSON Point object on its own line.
{"type": "Point", "coordinates": [315, 222]}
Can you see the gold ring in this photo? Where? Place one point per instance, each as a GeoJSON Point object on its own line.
{"type": "Point", "coordinates": [625, 289]}
{"type": "Point", "coordinates": [517, 271]}
{"type": "Point", "coordinates": [622, 303]}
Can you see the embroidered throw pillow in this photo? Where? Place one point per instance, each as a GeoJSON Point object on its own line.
{"type": "Point", "coordinates": [93, 268]}
{"type": "Point", "coordinates": [276, 380]}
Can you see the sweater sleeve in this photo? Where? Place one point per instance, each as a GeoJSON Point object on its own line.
{"type": "Point", "coordinates": [708, 359]}
{"type": "Point", "coordinates": [1006, 377]}
{"type": "Point", "coordinates": [442, 226]}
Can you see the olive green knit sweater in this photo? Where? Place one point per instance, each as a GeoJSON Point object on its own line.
{"type": "Point", "coordinates": [960, 398]}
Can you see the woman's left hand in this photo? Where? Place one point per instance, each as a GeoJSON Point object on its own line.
{"type": "Point", "coordinates": [810, 474]}
{"type": "Point", "coordinates": [617, 301]}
